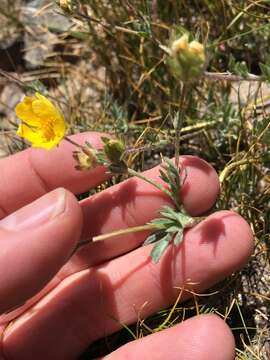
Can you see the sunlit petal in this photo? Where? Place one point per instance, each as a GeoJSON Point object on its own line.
{"type": "Point", "coordinates": [44, 108]}
{"type": "Point", "coordinates": [25, 112]}
{"type": "Point", "coordinates": [27, 133]}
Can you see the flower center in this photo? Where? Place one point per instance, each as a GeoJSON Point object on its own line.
{"type": "Point", "coordinates": [48, 129]}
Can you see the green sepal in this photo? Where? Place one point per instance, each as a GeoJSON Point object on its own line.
{"type": "Point", "coordinates": [114, 150]}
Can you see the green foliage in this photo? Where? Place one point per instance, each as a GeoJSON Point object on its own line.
{"type": "Point", "coordinates": [237, 67]}
{"type": "Point", "coordinates": [169, 229]}
{"type": "Point", "coordinates": [265, 69]}
{"type": "Point", "coordinates": [169, 173]}
{"type": "Point", "coordinates": [113, 153]}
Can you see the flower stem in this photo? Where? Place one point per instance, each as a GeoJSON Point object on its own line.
{"type": "Point", "coordinates": [125, 231]}
{"type": "Point", "coordinates": [83, 148]}
{"type": "Point", "coordinates": [73, 142]}
{"type": "Point", "coordinates": [181, 113]}
{"type": "Point", "coordinates": [150, 181]}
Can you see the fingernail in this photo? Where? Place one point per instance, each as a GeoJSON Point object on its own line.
{"type": "Point", "coordinates": [37, 213]}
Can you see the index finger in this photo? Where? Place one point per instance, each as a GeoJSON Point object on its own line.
{"type": "Point", "coordinates": [27, 175]}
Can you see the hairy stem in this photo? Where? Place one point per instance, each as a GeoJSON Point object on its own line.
{"type": "Point", "coordinates": [181, 113]}
{"type": "Point", "coordinates": [125, 231]}
{"type": "Point", "coordinates": [150, 181]}
{"type": "Point", "coordinates": [83, 148]}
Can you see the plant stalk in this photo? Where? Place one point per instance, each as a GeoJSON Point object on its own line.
{"type": "Point", "coordinates": [229, 168]}
{"type": "Point", "coordinates": [150, 181]}
{"type": "Point", "coordinates": [83, 148]}
{"type": "Point", "coordinates": [181, 113]}
{"type": "Point", "coordinates": [125, 231]}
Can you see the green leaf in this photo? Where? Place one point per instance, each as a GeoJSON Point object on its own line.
{"type": "Point", "coordinates": [153, 238]}
{"type": "Point", "coordinates": [181, 219]}
{"type": "Point", "coordinates": [179, 237]}
{"type": "Point", "coordinates": [241, 69]}
{"type": "Point", "coordinates": [37, 86]}
{"type": "Point", "coordinates": [172, 229]}
{"type": "Point", "coordinates": [265, 69]}
{"type": "Point", "coordinates": [260, 128]}
{"type": "Point", "coordinates": [237, 67]}
{"type": "Point", "coordinates": [79, 35]}
{"type": "Point", "coordinates": [169, 173]}
{"type": "Point", "coordinates": [163, 176]}
{"type": "Point", "coordinates": [161, 222]}
{"type": "Point", "coordinates": [169, 212]}
{"type": "Point", "coordinates": [101, 157]}
{"type": "Point", "coordinates": [159, 249]}
{"type": "Point", "coordinates": [184, 219]}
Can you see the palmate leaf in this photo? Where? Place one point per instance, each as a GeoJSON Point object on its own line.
{"type": "Point", "coordinates": [169, 229]}
{"type": "Point", "coordinates": [180, 218]}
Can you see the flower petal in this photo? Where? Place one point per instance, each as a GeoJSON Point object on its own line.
{"type": "Point", "coordinates": [25, 112]}
{"type": "Point", "coordinates": [59, 128]}
{"type": "Point", "coordinates": [44, 108]}
{"type": "Point", "coordinates": [27, 133]}
{"type": "Point", "coordinates": [48, 145]}
{"type": "Point", "coordinates": [37, 138]}
{"type": "Point", "coordinates": [43, 123]}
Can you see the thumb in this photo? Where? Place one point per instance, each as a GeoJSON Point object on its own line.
{"type": "Point", "coordinates": [35, 242]}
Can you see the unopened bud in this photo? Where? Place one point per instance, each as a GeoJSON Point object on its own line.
{"type": "Point", "coordinates": [67, 5]}
{"type": "Point", "coordinates": [187, 59]}
{"type": "Point", "coordinates": [114, 150]}
{"type": "Point", "coordinates": [180, 45]}
{"type": "Point", "coordinates": [197, 49]}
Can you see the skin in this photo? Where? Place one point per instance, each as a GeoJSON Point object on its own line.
{"type": "Point", "coordinates": [71, 300]}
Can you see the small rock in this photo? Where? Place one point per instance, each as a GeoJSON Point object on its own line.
{"type": "Point", "coordinates": [44, 20]}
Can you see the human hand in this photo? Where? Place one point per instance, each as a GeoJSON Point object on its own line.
{"type": "Point", "coordinates": [74, 301]}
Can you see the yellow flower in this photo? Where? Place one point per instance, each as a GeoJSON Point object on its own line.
{"type": "Point", "coordinates": [43, 124]}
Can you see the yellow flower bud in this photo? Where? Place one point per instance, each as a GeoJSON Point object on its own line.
{"type": "Point", "coordinates": [66, 5]}
{"type": "Point", "coordinates": [180, 44]}
{"type": "Point", "coordinates": [187, 59]}
{"type": "Point", "coordinates": [197, 49]}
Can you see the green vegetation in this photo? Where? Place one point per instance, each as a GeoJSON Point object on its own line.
{"type": "Point", "coordinates": [108, 70]}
